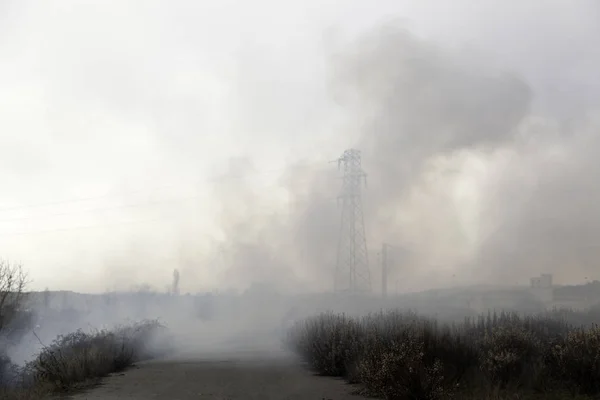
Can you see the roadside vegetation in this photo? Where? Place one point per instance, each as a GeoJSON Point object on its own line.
{"type": "Point", "coordinates": [401, 355]}
{"type": "Point", "coordinates": [71, 361]}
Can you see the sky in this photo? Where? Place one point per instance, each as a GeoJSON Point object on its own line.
{"type": "Point", "coordinates": [139, 137]}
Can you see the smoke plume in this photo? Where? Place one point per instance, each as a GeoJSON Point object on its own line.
{"type": "Point", "coordinates": [424, 118]}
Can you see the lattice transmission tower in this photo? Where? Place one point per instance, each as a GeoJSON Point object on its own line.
{"type": "Point", "coordinates": [352, 267]}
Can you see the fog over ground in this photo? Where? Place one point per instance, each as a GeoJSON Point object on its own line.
{"type": "Point", "coordinates": [137, 137]}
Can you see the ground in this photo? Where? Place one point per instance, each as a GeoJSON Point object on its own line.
{"type": "Point", "coordinates": [241, 375]}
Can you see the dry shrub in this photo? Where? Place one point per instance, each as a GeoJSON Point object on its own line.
{"type": "Point", "coordinates": [69, 360]}
{"type": "Point", "coordinates": [394, 354]}
{"type": "Point", "coordinates": [9, 373]}
{"type": "Point", "coordinates": [13, 320]}
{"type": "Point", "coordinates": [416, 359]}
{"type": "Point", "coordinates": [399, 371]}
{"type": "Point", "coordinates": [78, 357]}
{"type": "Point", "coordinates": [329, 343]}
{"type": "Point", "coordinates": [403, 356]}
{"type": "Point", "coordinates": [511, 354]}
{"type": "Point", "coordinates": [576, 360]}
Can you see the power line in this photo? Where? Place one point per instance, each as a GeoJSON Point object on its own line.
{"type": "Point", "coordinates": [136, 205]}
{"type": "Point", "coordinates": [83, 227]}
{"type": "Point", "coordinates": [109, 208]}
{"type": "Point", "coordinates": [10, 234]}
{"type": "Point", "coordinates": [217, 179]}
{"type": "Point", "coordinates": [125, 206]}
{"type": "Point", "coordinates": [294, 233]}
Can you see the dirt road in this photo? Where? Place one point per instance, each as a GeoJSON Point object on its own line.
{"type": "Point", "coordinates": [238, 376]}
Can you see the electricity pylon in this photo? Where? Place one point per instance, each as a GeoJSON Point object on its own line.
{"type": "Point", "coordinates": [352, 267]}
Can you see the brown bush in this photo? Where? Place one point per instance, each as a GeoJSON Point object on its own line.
{"type": "Point", "coordinates": [329, 343]}
{"type": "Point", "coordinates": [412, 357]}
{"type": "Point", "coordinates": [71, 359]}
{"type": "Point", "coordinates": [399, 371]}
{"type": "Point", "coordinates": [576, 360]}
{"type": "Point", "coordinates": [402, 356]}
{"type": "Point", "coordinates": [511, 354]}
{"type": "Point", "coordinates": [78, 357]}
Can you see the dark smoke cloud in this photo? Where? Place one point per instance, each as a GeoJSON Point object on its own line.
{"type": "Point", "coordinates": [412, 105]}
{"type": "Point", "coordinates": [418, 104]}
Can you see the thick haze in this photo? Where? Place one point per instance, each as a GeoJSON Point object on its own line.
{"type": "Point", "coordinates": [197, 136]}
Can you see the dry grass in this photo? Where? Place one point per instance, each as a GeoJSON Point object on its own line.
{"type": "Point", "coordinates": [71, 360]}
{"type": "Point", "coordinates": [80, 359]}
{"type": "Point", "coordinates": [499, 356]}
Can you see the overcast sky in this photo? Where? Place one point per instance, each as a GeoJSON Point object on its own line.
{"type": "Point", "coordinates": [128, 127]}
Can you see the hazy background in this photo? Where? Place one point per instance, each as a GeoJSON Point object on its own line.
{"type": "Point", "coordinates": [141, 136]}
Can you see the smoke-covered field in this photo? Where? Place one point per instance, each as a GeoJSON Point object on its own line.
{"type": "Point", "coordinates": [54, 342]}
{"type": "Point", "coordinates": [72, 339]}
